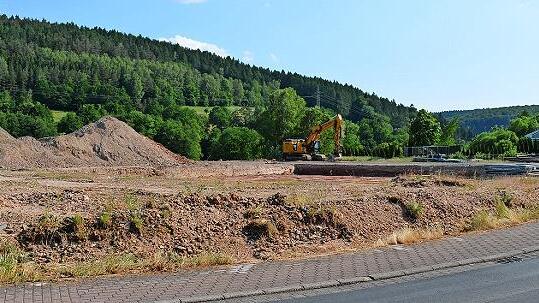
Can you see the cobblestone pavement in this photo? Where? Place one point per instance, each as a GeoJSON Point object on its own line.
{"type": "Point", "coordinates": [281, 276]}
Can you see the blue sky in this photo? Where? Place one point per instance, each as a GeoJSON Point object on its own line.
{"type": "Point", "coordinates": [435, 54]}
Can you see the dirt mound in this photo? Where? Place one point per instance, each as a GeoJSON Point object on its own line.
{"type": "Point", "coordinates": [107, 142]}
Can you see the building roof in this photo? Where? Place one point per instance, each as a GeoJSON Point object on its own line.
{"type": "Point", "coordinates": [534, 135]}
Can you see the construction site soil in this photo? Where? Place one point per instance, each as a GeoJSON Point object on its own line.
{"type": "Point", "coordinates": [130, 196]}
{"type": "Point", "coordinates": [245, 217]}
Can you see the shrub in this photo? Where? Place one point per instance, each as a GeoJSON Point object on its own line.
{"type": "Point", "coordinates": [499, 141]}
{"type": "Point", "coordinates": [238, 143]}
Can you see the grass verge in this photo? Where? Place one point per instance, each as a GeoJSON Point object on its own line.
{"type": "Point", "coordinates": [14, 268]}
{"type": "Point", "coordinates": [502, 216]}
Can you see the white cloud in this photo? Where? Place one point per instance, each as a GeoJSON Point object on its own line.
{"type": "Point", "coordinates": [274, 58]}
{"type": "Point", "coordinates": [191, 1]}
{"type": "Point", "coordinates": [247, 57]}
{"type": "Point", "coordinates": [194, 44]}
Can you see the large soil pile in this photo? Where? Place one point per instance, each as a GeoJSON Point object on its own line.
{"type": "Point", "coordinates": [107, 142]}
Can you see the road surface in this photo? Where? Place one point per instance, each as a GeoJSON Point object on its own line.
{"type": "Point", "coordinates": [510, 282]}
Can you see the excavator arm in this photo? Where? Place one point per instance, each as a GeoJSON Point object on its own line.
{"type": "Point", "coordinates": [335, 123]}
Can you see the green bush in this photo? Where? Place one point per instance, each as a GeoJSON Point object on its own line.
{"type": "Point", "coordinates": [238, 143]}
{"type": "Point", "coordinates": [499, 141]}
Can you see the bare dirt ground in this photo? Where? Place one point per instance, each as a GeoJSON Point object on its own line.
{"type": "Point", "coordinates": [105, 199]}
{"type": "Point", "coordinates": [245, 210]}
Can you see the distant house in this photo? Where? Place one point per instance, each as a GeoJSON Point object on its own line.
{"type": "Point", "coordinates": [534, 136]}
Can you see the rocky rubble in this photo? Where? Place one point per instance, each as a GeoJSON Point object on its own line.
{"type": "Point", "coordinates": [75, 225]}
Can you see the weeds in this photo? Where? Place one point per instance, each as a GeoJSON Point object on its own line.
{"type": "Point", "coordinates": [409, 235]}
{"type": "Point", "coordinates": [14, 266]}
{"type": "Point", "coordinates": [49, 226]}
{"type": "Point", "coordinates": [108, 265]}
{"type": "Point", "coordinates": [483, 220]}
{"type": "Point", "coordinates": [502, 211]}
{"type": "Point", "coordinates": [135, 214]}
{"type": "Point", "coordinates": [137, 222]}
{"type": "Point", "coordinates": [105, 218]}
{"type": "Point", "coordinates": [502, 216]}
{"type": "Point", "coordinates": [48, 221]}
{"type": "Point", "coordinates": [253, 212]}
{"type": "Point", "coordinates": [128, 262]}
{"type": "Point", "coordinates": [414, 209]}
{"type": "Point", "coordinates": [297, 200]}
{"type": "Point", "coordinates": [77, 221]}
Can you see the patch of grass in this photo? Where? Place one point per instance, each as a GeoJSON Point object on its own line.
{"type": "Point", "coordinates": [298, 200]}
{"type": "Point", "coordinates": [132, 203]}
{"type": "Point", "coordinates": [107, 265]}
{"type": "Point", "coordinates": [206, 259]}
{"type": "Point", "coordinates": [49, 221]}
{"type": "Point", "coordinates": [502, 211]}
{"type": "Point", "coordinates": [49, 226]}
{"type": "Point", "coordinates": [14, 265]}
{"type": "Point", "coordinates": [104, 220]}
{"type": "Point", "coordinates": [483, 220]}
{"type": "Point", "coordinates": [79, 227]}
{"type": "Point", "coordinates": [166, 211]}
{"type": "Point", "coordinates": [503, 216]}
{"type": "Point", "coordinates": [506, 199]}
{"type": "Point", "coordinates": [136, 221]}
{"type": "Point", "coordinates": [413, 235]}
{"type": "Point", "coordinates": [414, 209]}
{"type": "Point", "coordinates": [135, 213]}
{"type": "Point", "coordinates": [128, 263]}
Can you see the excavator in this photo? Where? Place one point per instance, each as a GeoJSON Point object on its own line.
{"type": "Point", "coordinates": [309, 148]}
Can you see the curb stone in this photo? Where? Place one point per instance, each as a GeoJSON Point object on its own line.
{"type": "Point", "coordinates": [357, 280]}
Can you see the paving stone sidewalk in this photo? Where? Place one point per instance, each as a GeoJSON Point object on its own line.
{"type": "Point", "coordinates": [280, 276]}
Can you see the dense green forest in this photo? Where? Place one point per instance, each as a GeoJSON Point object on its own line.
{"type": "Point", "coordinates": [22, 37]}
{"type": "Point", "coordinates": [160, 88]}
{"type": "Point", "coordinates": [473, 122]}
{"type": "Point", "coordinates": [153, 86]}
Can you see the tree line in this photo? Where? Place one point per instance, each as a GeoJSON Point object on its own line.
{"type": "Point", "coordinates": [345, 99]}
{"type": "Point", "coordinates": [154, 86]}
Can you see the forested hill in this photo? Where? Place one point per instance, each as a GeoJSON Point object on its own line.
{"type": "Point", "coordinates": [476, 121]}
{"type": "Point", "coordinates": [66, 66]}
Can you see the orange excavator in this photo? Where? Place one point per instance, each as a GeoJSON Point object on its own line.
{"type": "Point", "coordinates": [309, 148]}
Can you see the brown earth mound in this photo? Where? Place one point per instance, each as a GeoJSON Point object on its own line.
{"type": "Point", "coordinates": [107, 142]}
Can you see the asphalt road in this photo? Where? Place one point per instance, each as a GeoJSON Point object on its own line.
{"type": "Point", "coordinates": [510, 282]}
